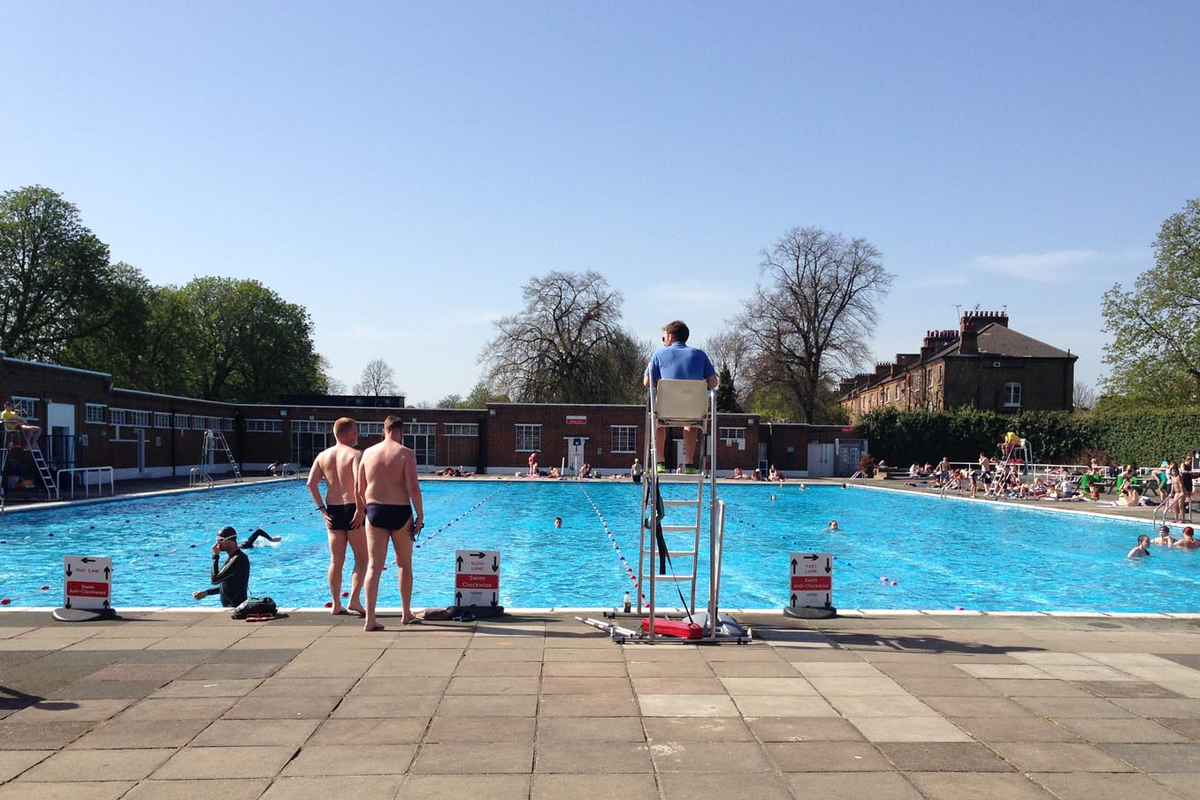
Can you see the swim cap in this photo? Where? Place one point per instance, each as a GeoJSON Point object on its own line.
{"type": "Point", "coordinates": [227, 533]}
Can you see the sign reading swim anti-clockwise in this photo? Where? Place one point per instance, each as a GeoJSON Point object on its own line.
{"type": "Point", "coordinates": [477, 578]}
{"type": "Point", "coordinates": [810, 583]}
{"type": "Point", "coordinates": [87, 582]}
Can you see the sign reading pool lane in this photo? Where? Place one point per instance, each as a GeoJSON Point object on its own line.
{"type": "Point", "coordinates": [477, 578]}
{"type": "Point", "coordinates": [811, 581]}
{"type": "Point", "coordinates": [87, 582]}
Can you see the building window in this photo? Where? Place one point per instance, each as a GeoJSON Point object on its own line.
{"type": "Point", "coordinates": [624, 438]}
{"type": "Point", "coordinates": [139, 419]}
{"type": "Point", "coordinates": [94, 413]}
{"type": "Point", "coordinates": [117, 416]}
{"type": "Point", "coordinates": [25, 406]}
{"type": "Point", "coordinates": [1012, 395]}
{"type": "Point", "coordinates": [162, 419]}
{"type": "Point", "coordinates": [462, 429]}
{"type": "Point", "coordinates": [529, 438]}
{"type": "Point", "coordinates": [227, 423]}
{"type": "Point", "coordinates": [181, 421]}
{"type": "Point", "coordinates": [917, 382]}
{"type": "Point", "coordinates": [264, 426]}
{"type": "Point", "coordinates": [370, 428]}
{"type": "Point", "coordinates": [418, 429]}
{"type": "Point", "coordinates": [731, 435]}
{"type": "Point", "coordinates": [311, 426]}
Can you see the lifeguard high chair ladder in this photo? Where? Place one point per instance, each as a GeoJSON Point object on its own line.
{"type": "Point", "coordinates": [677, 403]}
{"type": "Point", "coordinates": [13, 439]}
{"type": "Point", "coordinates": [215, 442]}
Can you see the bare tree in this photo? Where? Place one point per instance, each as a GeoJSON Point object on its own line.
{"type": "Point", "coordinates": [812, 316]}
{"type": "Point", "coordinates": [331, 385]}
{"type": "Point", "coordinates": [566, 345]}
{"type": "Point", "coordinates": [728, 349]}
{"type": "Point", "coordinates": [1083, 396]}
{"type": "Point", "coordinates": [377, 379]}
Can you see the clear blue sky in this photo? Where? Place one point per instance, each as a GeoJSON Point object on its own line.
{"type": "Point", "coordinates": [401, 169]}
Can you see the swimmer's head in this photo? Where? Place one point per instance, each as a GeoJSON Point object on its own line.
{"type": "Point", "coordinates": [1143, 539]}
{"type": "Point", "coordinates": [833, 526]}
{"type": "Point", "coordinates": [1164, 531]}
{"type": "Point", "coordinates": [1187, 532]}
{"type": "Point", "coordinates": [772, 497]}
{"type": "Point", "coordinates": [558, 522]}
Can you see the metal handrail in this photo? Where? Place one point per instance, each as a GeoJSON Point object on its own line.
{"type": "Point", "coordinates": [100, 472]}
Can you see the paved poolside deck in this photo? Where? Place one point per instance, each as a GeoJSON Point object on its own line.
{"type": "Point", "coordinates": [182, 705]}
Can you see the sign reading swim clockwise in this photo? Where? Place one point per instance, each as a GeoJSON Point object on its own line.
{"type": "Point", "coordinates": [87, 582]}
{"type": "Point", "coordinates": [477, 578]}
{"type": "Point", "coordinates": [810, 580]}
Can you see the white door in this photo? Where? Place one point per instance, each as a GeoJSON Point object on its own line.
{"type": "Point", "coordinates": [820, 460]}
{"type": "Point", "coordinates": [576, 452]}
{"type": "Point", "coordinates": [60, 433]}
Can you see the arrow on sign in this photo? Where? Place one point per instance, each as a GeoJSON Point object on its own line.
{"type": "Point", "coordinates": [811, 557]}
{"type": "Point", "coordinates": [794, 570]}
{"type": "Point", "coordinates": [458, 598]}
{"type": "Point", "coordinates": [107, 573]}
{"type": "Point", "coordinates": [459, 560]}
{"type": "Point", "coordinates": [494, 603]}
{"type": "Point", "coordinates": [87, 560]}
{"type": "Point", "coordinates": [68, 603]}
{"type": "Point", "coordinates": [68, 570]}
{"type": "Point", "coordinates": [829, 565]}
{"type": "Point", "coordinates": [793, 601]}
{"type": "Point", "coordinates": [495, 564]}
{"type": "Point", "coordinates": [106, 604]}
{"type": "Point", "coordinates": [827, 603]}
{"type": "Point", "coordinates": [478, 555]}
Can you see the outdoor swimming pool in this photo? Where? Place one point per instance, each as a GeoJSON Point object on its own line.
{"type": "Point", "coordinates": [941, 553]}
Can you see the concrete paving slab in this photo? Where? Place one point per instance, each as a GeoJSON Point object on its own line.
{"type": "Point", "coordinates": [486, 705]}
{"type": "Point", "coordinates": [71, 710]}
{"type": "Point", "coordinates": [887, 706]}
{"type": "Point", "coordinates": [587, 705]}
{"type": "Point", "coordinates": [597, 758]}
{"type": "Point", "coordinates": [198, 790]}
{"type": "Point", "coordinates": [696, 729]}
{"type": "Point", "coordinates": [1060, 757]}
{"type": "Point", "coordinates": [942, 757]}
{"type": "Point", "coordinates": [251, 732]}
{"type": "Point", "coordinates": [441, 787]}
{"type": "Point", "coordinates": [86, 765]}
{"type": "Point", "coordinates": [400, 730]}
{"type": "Point", "coordinates": [696, 705]}
{"type": "Point", "coordinates": [1103, 786]}
{"type": "Point", "coordinates": [912, 729]}
{"type": "Point", "coordinates": [1047, 688]}
{"type": "Point", "coordinates": [586, 685]}
{"type": "Point", "coordinates": [852, 786]}
{"type": "Point", "coordinates": [556, 730]}
{"type": "Point", "coordinates": [946, 786]}
{"type": "Point", "coordinates": [836, 669]}
{"type": "Point", "coordinates": [474, 759]}
{"type": "Point", "coordinates": [52, 735]}
{"type": "Point", "coordinates": [804, 729]}
{"type": "Point", "coordinates": [360, 787]}
{"type": "Point", "coordinates": [1186, 784]}
{"type": "Point", "coordinates": [977, 707]}
{"type": "Point", "coordinates": [318, 760]}
{"type": "Point", "coordinates": [127, 733]}
{"type": "Point", "coordinates": [783, 706]}
{"type": "Point", "coordinates": [709, 757]}
{"type": "Point", "coordinates": [182, 708]}
{"type": "Point", "coordinates": [14, 762]}
{"type": "Point", "coordinates": [303, 687]}
{"type": "Point", "coordinates": [1130, 731]}
{"type": "Point", "coordinates": [1079, 707]}
{"type": "Point", "coordinates": [197, 763]}
{"type": "Point", "coordinates": [283, 707]}
{"type": "Point", "coordinates": [97, 790]}
{"type": "Point", "coordinates": [598, 787]}
{"type": "Point", "coordinates": [1169, 757]}
{"type": "Point", "coordinates": [826, 757]}
{"type": "Point", "coordinates": [675, 686]}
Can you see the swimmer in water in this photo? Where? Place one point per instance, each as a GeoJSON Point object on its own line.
{"type": "Point", "coordinates": [259, 534]}
{"type": "Point", "coordinates": [558, 522]}
{"type": "Point", "coordinates": [843, 486]}
{"type": "Point", "coordinates": [1188, 542]}
{"type": "Point", "coordinates": [1164, 537]}
{"type": "Point", "coordinates": [772, 498]}
{"type": "Point", "coordinates": [1142, 549]}
{"type": "Point", "coordinates": [833, 526]}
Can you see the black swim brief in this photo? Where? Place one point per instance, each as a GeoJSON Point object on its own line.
{"type": "Point", "coordinates": [339, 517]}
{"type": "Point", "coordinates": [383, 515]}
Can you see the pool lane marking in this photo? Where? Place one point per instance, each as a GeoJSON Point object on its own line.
{"type": "Point", "coordinates": [503, 486]}
{"type": "Point", "coordinates": [613, 539]}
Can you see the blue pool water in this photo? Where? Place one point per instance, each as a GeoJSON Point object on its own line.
{"type": "Point", "coordinates": [941, 553]}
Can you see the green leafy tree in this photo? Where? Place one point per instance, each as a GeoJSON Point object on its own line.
{"type": "Point", "coordinates": [726, 393]}
{"type": "Point", "coordinates": [1155, 350]}
{"type": "Point", "coordinates": [57, 286]}
{"type": "Point", "coordinates": [248, 344]}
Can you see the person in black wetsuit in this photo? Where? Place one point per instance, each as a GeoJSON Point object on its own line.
{"type": "Point", "coordinates": [233, 578]}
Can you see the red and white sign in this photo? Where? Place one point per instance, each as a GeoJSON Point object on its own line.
{"type": "Point", "coordinates": [87, 582]}
{"type": "Point", "coordinates": [810, 583]}
{"type": "Point", "coordinates": [477, 578]}
{"type": "Point", "coordinates": [576, 420]}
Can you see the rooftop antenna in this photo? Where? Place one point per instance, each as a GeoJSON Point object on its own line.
{"type": "Point", "coordinates": [957, 312]}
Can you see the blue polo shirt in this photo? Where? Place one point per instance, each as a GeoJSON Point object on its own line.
{"type": "Point", "coordinates": [680, 362]}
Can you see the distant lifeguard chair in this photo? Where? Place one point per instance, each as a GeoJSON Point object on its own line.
{"type": "Point", "coordinates": [15, 440]}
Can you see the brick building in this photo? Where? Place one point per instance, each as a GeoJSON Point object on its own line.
{"type": "Point", "coordinates": [88, 422]}
{"type": "Point", "coordinates": [985, 365]}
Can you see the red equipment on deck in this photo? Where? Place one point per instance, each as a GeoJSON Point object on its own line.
{"type": "Point", "coordinates": [674, 627]}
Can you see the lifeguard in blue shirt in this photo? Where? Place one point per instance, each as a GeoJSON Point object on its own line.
{"type": "Point", "coordinates": [676, 361]}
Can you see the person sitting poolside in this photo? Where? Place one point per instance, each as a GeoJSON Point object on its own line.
{"type": "Point", "coordinates": [1189, 541]}
{"type": "Point", "coordinates": [233, 578]}
{"type": "Point", "coordinates": [737, 474]}
{"type": "Point", "coordinates": [554, 473]}
{"type": "Point", "coordinates": [1142, 549]}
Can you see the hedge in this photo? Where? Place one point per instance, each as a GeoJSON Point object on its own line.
{"type": "Point", "coordinates": [1141, 438]}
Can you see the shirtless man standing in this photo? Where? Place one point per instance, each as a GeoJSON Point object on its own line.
{"type": "Point", "coordinates": [388, 492]}
{"type": "Point", "coordinates": [338, 465]}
